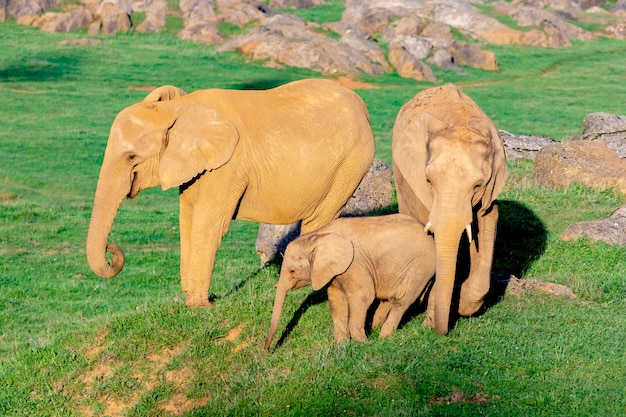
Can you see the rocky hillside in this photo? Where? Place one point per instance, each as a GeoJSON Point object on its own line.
{"type": "Point", "coordinates": [417, 34]}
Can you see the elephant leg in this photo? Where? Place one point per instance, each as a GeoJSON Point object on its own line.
{"type": "Point", "coordinates": [359, 302]}
{"type": "Point", "coordinates": [381, 313]}
{"type": "Point", "coordinates": [474, 289]}
{"type": "Point", "coordinates": [393, 319]}
{"type": "Point", "coordinates": [185, 244]}
{"type": "Point", "coordinates": [338, 303]}
{"type": "Point", "coordinates": [201, 233]}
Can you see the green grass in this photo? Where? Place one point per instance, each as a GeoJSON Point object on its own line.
{"type": "Point", "coordinates": [73, 344]}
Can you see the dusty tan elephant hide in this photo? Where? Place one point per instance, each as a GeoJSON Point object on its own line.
{"type": "Point", "coordinates": [295, 152]}
{"type": "Point", "coordinates": [449, 166]}
{"type": "Point", "coordinates": [389, 258]}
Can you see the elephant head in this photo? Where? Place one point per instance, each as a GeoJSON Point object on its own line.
{"type": "Point", "coordinates": [455, 165]}
{"type": "Point", "coordinates": [315, 258]}
{"type": "Point", "coordinates": [164, 140]}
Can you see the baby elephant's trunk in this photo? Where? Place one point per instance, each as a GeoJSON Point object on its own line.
{"type": "Point", "coordinates": [281, 291]}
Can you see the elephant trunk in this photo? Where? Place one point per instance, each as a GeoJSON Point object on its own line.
{"type": "Point", "coordinates": [281, 292]}
{"type": "Point", "coordinates": [447, 239]}
{"type": "Point", "coordinates": [108, 198]}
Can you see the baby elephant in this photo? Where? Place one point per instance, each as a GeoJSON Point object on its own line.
{"type": "Point", "coordinates": [389, 258]}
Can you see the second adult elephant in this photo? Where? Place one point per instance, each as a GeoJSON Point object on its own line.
{"type": "Point", "coordinates": [295, 152]}
{"type": "Point", "coordinates": [449, 166]}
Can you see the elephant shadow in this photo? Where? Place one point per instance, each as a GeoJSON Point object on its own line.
{"type": "Point", "coordinates": [261, 84]}
{"type": "Point", "coordinates": [521, 239]}
{"type": "Point", "coordinates": [315, 298]}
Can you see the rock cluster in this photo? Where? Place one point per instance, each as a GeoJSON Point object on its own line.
{"type": "Point", "coordinates": [596, 158]}
{"type": "Point", "coordinates": [419, 33]}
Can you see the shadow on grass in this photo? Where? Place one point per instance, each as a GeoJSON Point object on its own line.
{"type": "Point", "coordinates": [520, 241]}
{"type": "Point", "coordinates": [314, 298]}
{"type": "Point", "coordinates": [262, 84]}
{"type": "Point", "coordinates": [39, 68]}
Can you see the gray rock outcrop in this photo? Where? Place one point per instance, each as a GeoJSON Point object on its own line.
{"type": "Point", "coordinates": [590, 163]}
{"type": "Point", "coordinates": [611, 230]}
{"type": "Point", "coordinates": [608, 128]}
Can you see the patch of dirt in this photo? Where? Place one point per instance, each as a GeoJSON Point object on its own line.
{"type": "Point", "coordinates": [354, 84]}
{"type": "Point", "coordinates": [80, 42]}
{"type": "Point", "coordinates": [103, 373]}
{"type": "Point", "coordinates": [141, 88]}
{"type": "Point", "coordinates": [234, 333]}
{"type": "Point", "coordinates": [457, 396]}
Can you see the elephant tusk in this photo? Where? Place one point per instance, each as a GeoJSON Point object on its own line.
{"type": "Point", "coordinates": [468, 230]}
{"type": "Point", "coordinates": [429, 227]}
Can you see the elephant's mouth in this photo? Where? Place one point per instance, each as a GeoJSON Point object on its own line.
{"type": "Point", "coordinates": [134, 186]}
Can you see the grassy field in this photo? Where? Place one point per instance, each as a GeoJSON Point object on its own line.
{"type": "Point", "coordinates": [72, 344]}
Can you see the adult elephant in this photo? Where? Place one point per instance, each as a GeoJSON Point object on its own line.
{"type": "Point", "coordinates": [295, 152]}
{"type": "Point", "coordinates": [449, 166]}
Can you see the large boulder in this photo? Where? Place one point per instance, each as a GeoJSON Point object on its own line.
{"type": "Point", "coordinates": [611, 230]}
{"type": "Point", "coordinates": [523, 146]}
{"type": "Point", "coordinates": [590, 163]}
{"type": "Point", "coordinates": [155, 11]}
{"type": "Point", "coordinates": [608, 128]}
{"type": "Point", "coordinates": [64, 22]}
{"type": "Point", "coordinates": [286, 39]}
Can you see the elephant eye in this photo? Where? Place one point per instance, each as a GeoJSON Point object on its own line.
{"type": "Point", "coordinates": [131, 157]}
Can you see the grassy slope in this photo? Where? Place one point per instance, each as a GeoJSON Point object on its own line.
{"type": "Point", "coordinates": [72, 342]}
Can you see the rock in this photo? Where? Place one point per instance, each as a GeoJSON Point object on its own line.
{"type": "Point", "coordinates": [608, 128]}
{"type": "Point", "coordinates": [408, 66]}
{"type": "Point", "coordinates": [155, 16]}
{"type": "Point", "coordinates": [523, 146]}
{"type": "Point", "coordinates": [64, 22]}
{"type": "Point", "coordinates": [286, 39]}
{"type": "Point", "coordinates": [443, 59]}
{"type": "Point", "coordinates": [373, 193]}
{"type": "Point", "coordinates": [21, 9]}
{"type": "Point", "coordinates": [611, 230]}
{"type": "Point", "coordinates": [272, 240]}
{"type": "Point", "coordinates": [619, 6]}
{"type": "Point", "coordinates": [115, 17]}
{"type": "Point", "coordinates": [469, 21]}
{"type": "Point", "coordinates": [559, 31]}
{"type": "Point", "coordinates": [589, 163]}
{"type": "Point", "coordinates": [516, 286]}
{"type": "Point", "coordinates": [241, 12]}
{"type": "Point", "coordinates": [473, 55]}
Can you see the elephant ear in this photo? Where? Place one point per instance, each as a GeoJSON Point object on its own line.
{"type": "Point", "coordinates": [499, 170]}
{"type": "Point", "coordinates": [332, 255]}
{"type": "Point", "coordinates": [164, 93]}
{"type": "Point", "coordinates": [409, 150]}
{"type": "Point", "coordinates": [200, 139]}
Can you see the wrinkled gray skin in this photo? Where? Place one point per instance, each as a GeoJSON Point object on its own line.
{"type": "Point", "coordinates": [389, 258]}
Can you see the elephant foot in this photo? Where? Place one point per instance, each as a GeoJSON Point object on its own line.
{"type": "Point", "coordinates": [201, 302]}
{"type": "Point", "coordinates": [428, 322]}
{"type": "Point", "coordinates": [469, 308]}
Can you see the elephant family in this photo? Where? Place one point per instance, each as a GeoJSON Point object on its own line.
{"type": "Point", "coordinates": [449, 165]}
{"type": "Point", "coordinates": [390, 258]}
{"type": "Point", "coordinates": [295, 152]}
